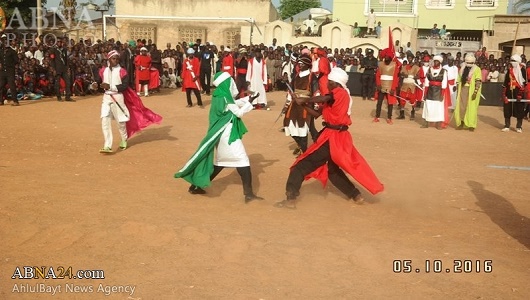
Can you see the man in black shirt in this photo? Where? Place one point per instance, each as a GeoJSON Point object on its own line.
{"type": "Point", "coordinates": [59, 64]}
{"type": "Point", "coordinates": [369, 64]}
{"type": "Point", "coordinates": [8, 61]}
{"type": "Point", "coordinates": [206, 58]}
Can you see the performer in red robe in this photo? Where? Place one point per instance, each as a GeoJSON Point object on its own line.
{"type": "Point", "coordinates": [320, 70]}
{"type": "Point", "coordinates": [142, 64]}
{"type": "Point", "coordinates": [228, 62]}
{"type": "Point", "coordinates": [191, 67]}
{"type": "Point", "coordinates": [333, 151]}
{"type": "Point", "coordinates": [386, 81]}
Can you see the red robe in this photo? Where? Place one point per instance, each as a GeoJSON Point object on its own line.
{"type": "Point", "coordinates": [143, 64]}
{"type": "Point", "coordinates": [323, 72]}
{"type": "Point", "coordinates": [187, 77]}
{"type": "Point", "coordinates": [228, 64]}
{"type": "Point", "coordinates": [341, 147]}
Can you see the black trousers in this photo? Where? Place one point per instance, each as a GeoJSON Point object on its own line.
{"type": "Point", "coordinates": [514, 109]}
{"type": "Point", "coordinates": [68, 89]}
{"type": "Point", "coordinates": [206, 80]}
{"type": "Point", "coordinates": [244, 173]}
{"type": "Point", "coordinates": [197, 94]}
{"type": "Point", "coordinates": [9, 78]}
{"type": "Point", "coordinates": [367, 85]}
{"type": "Point", "coordinates": [314, 160]}
{"type": "Point", "coordinates": [380, 98]}
{"type": "Point", "coordinates": [301, 141]}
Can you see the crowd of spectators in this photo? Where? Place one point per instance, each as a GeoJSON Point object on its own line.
{"type": "Point", "coordinates": [35, 77]}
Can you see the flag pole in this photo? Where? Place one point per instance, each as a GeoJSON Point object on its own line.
{"type": "Point", "coordinates": [515, 37]}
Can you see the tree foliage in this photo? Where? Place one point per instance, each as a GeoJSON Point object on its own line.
{"type": "Point", "coordinates": [290, 8]}
{"type": "Point", "coordinates": [24, 6]}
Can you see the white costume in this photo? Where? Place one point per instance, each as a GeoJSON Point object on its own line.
{"type": "Point", "coordinates": [257, 76]}
{"type": "Point", "coordinates": [452, 74]}
{"type": "Point", "coordinates": [113, 105]}
{"type": "Point", "coordinates": [433, 109]}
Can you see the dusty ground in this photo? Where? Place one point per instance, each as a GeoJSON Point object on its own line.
{"type": "Point", "coordinates": [64, 204]}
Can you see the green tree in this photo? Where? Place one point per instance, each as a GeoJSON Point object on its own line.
{"type": "Point", "coordinates": [24, 6]}
{"type": "Point", "coordinates": [290, 8]}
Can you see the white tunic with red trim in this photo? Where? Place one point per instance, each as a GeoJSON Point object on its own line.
{"type": "Point", "coordinates": [112, 96]}
{"type": "Point", "coordinates": [257, 76]}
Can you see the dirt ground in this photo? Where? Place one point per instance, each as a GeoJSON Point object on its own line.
{"type": "Point", "coordinates": [63, 204]}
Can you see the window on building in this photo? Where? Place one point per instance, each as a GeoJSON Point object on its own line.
{"type": "Point", "coordinates": [481, 3]}
{"type": "Point", "coordinates": [440, 4]}
{"type": "Point", "coordinates": [392, 7]}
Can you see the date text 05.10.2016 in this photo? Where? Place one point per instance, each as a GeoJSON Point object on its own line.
{"type": "Point", "coordinates": [439, 266]}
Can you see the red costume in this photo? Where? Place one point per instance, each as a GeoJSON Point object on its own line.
{"type": "Point", "coordinates": [323, 71]}
{"type": "Point", "coordinates": [190, 66]}
{"type": "Point", "coordinates": [343, 152]}
{"type": "Point", "coordinates": [228, 64]}
{"type": "Point", "coordinates": [143, 64]}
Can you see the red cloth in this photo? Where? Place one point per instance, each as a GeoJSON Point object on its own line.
{"type": "Point", "coordinates": [140, 116]}
{"type": "Point", "coordinates": [143, 64]}
{"type": "Point", "coordinates": [187, 75]}
{"type": "Point", "coordinates": [342, 150]}
{"type": "Point", "coordinates": [154, 79]}
{"type": "Point", "coordinates": [228, 65]}
{"type": "Point", "coordinates": [323, 70]}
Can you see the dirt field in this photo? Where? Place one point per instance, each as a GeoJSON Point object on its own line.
{"type": "Point", "coordinates": [64, 204]}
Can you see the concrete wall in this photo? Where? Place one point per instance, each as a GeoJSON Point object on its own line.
{"type": "Point", "coordinates": [171, 31]}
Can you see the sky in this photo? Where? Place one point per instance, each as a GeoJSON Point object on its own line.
{"type": "Point", "coordinates": [328, 4]}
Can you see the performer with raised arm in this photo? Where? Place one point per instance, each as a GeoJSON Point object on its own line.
{"type": "Point", "coordinates": [224, 135]}
{"type": "Point", "coordinates": [297, 119]}
{"type": "Point", "coordinates": [333, 150]}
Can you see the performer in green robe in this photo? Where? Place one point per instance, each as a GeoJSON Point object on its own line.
{"type": "Point", "coordinates": [223, 139]}
{"type": "Point", "coordinates": [468, 96]}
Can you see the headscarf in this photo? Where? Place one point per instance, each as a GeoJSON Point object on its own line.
{"type": "Point", "coordinates": [223, 95]}
{"type": "Point", "coordinates": [112, 53]}
{"type": "Point", "coordinates": [305, 60]}
{"type": "Point", "coordinates": [515, 61]}
{"type": "Point", "coordinates": [438, 58]}
{"type": "Point", "coordinates": [339, 76]}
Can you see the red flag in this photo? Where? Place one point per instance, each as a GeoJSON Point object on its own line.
{"type": "Point", "coordinates": [391, 43]}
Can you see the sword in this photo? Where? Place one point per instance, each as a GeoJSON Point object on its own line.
{"type": "Point", "coordinates": [119, 106]}
{"type": "Point", "coordinates": [518, 100]}
{"type": "Point", "coordinates": [190, 68]}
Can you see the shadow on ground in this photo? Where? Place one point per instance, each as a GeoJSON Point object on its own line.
{"type": "Point", "coordinates": [502, 213]}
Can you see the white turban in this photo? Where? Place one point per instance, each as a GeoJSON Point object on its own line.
{"type": "Point", "coordinates": [143, 49]}
{"type": "Point", "coordinates": [470, 58]}
{"type": "Point", "coordinates": [227, 49]}
{"type": "Point", "coordinates": [516, 67]}
{"type": "Point", "coordinates": [438, 58]}
{"type": "Point", "coordinates": [339, 76]}
{"type": "Point", "coordinates": [190, 51]}
{"type": "Point", "coordinates": [517, 58]}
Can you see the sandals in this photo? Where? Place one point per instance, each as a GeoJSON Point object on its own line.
{"type": "Point", "coordinates": [105, 150]}
{"type": "Point", "coordinates": [290, 204]}
{"type": "Point", "coordinates": [123, 145]}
